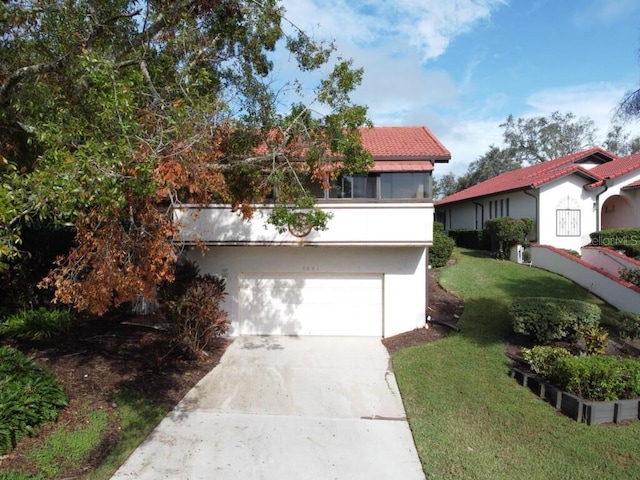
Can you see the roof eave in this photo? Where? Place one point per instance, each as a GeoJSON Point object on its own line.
{"type": "Point", "coordinates": [494, 194]}
{"type": "Point", "coordinates": [423, 158]}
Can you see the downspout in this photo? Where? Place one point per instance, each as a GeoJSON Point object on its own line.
{"type": "Point", "coordinates": [481, 214]}
{"type": "Point", "coordinates": [606, 187]}
{"type": "Point", "coordinates": [535, 197]}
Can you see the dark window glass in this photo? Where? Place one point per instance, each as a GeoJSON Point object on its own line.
{"type": "Point", "coordinates": [404, 185]}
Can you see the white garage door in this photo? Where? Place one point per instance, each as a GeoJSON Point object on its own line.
{"type": "Point", "coordinates": [271, 304]}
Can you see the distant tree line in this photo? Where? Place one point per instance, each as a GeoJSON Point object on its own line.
{"type": "Point", "coordinates": [528, 141]}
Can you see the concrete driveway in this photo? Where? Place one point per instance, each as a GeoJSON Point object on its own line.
{"type": "Point", "coordinates": [286, 408]}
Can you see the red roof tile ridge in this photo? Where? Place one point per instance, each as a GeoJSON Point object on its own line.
{"type": "Point", "coordinates": [619, 167]}
{"type": "Point", "coordinates": [530, 176]}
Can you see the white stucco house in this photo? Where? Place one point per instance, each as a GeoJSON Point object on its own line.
{"type": "Point", "coordinates": [568, 198]}
{"type": "Point", "coordinates": [366, 275]}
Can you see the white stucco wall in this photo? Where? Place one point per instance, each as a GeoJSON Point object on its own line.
{"type": "Point", "coordinates": [607, 259]}
{"type": "Point", "coordinates": [460, 215]}
{"type": "Point", "coordinates": [368, 223]}
{"type": "Point", "coordinates": [567, 192]}
{"type": "Point", "coordinates": [562, 194]}
{"type": "Point", "coordinates": [621, 296]}
{"type": "Point", "coordinates": [403, 269]}
{"type": "Point", "coordinates": [472, 215]}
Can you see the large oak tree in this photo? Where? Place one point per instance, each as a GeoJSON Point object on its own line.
{"type": "Point", "coordinates": [112, 113]}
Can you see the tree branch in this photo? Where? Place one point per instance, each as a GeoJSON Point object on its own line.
{"type": "Point", "coordinates": [98, 27]}
{"type": "Point", "coordinates": [16, 77]}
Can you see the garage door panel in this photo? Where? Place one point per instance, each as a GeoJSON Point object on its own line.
{"type": "Point", "coordinates": [310, 305]}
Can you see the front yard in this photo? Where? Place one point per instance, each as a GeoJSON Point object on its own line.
{"type": "Point", "coordinates": [470, 420]}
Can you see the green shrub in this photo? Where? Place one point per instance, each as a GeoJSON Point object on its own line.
{"type": "Point", "coordinates": [631, 275]}
{"type": "Point", "coordinates": [542, 359]}
{"type": "Point", "coordinates": [628, 323]}
{"type": "Point", "coordinates": [441, 250]}
{"type": "Point", "coordinates": [624, 239]}
{"type": "Point", "coordinates": [508, 229]}
{"type": "Point", "coordinates": [195, 316]}
{"type": "Point", "coordinates": [598, 377]}
{"type": "Point", "coordinates": [29, 397]}
{"type": "Point", "coordinates": [549, 319]}
{"type": "Point", "coordinates": [476, 239]}
{"type": "Point", "coordinates": [595, 339]}
{"type": "Point", "coordinates": [36, 324]}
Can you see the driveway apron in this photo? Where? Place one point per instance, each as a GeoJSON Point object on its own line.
{"type": "Point", "coordinates": [286, 408]}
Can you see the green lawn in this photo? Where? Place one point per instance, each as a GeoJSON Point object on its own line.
{"type": "Point", "coordinates": [470, 420]}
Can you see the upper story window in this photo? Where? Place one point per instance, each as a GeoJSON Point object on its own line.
{"type": "Point", "coordinates": [395, 185]}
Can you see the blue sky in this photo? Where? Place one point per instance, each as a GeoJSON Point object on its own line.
{"type": "Point", "coordinates": [461, 67]}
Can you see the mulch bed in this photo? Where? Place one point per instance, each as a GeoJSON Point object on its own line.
{"type": "Point", "coordinates": [100, 357]}
{"type": "Point", "coordinates": [444, 307]}
{"type": "Point", "coordinates": [124, 353]}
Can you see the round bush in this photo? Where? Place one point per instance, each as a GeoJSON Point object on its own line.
{"type": "Point", "coordinates": [549, 319]}
{"type": "Point", "coordinates": [442, 249]}
{"type": "Point", "coordinates": [542, 359]}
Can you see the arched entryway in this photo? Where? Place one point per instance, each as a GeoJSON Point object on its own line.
{"type": "Point", "coordinates": [616, 213]}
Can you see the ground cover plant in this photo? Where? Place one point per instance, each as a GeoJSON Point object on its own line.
{"type": "Point", "coordinates": [29, 397]}
{"type": "Point", "coordinates": [471, 420]}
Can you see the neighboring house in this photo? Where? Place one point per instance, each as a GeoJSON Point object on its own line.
{"type": "Point", "coordinates": [365, 275]}
{"type": "Point", "coordinates": [568, 198]}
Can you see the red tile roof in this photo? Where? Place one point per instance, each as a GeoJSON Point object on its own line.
{"type": "Point", "coordinates": [408, 143]}
{"type": "Point", "coordinates": [621, 166]}
{"type": "Point", "coordinates": [394, 149]}
{"type": "Point", "coordinates": [632, 186]}
{"type": "Point", "coordinates": [535, 175]}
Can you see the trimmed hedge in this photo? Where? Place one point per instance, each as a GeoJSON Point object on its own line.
{"type": "Point", "coordinates": [29, 397]}
{"type": "Point", "coordinates": [598, 377]}
{"type": "Point", "coordinates": [475, 239]}
{"type": "Point", "coordinates": [547, 318]}
{"type": "Point", "coordinates": [625, 239]}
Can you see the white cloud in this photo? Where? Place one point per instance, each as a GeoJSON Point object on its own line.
{"type": "Point", "coordinates": [441, 22]}
{"type": "Point", "coordinates": [428, 25]}
{"type": "Point", "coordinates": [599, 12]}
{"type": "Point", "coordinates": [467, 139]}
{"type": "Point", "coordinates": [394, 42]}
{"type": "Point", "coordinates": [597, 101]}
